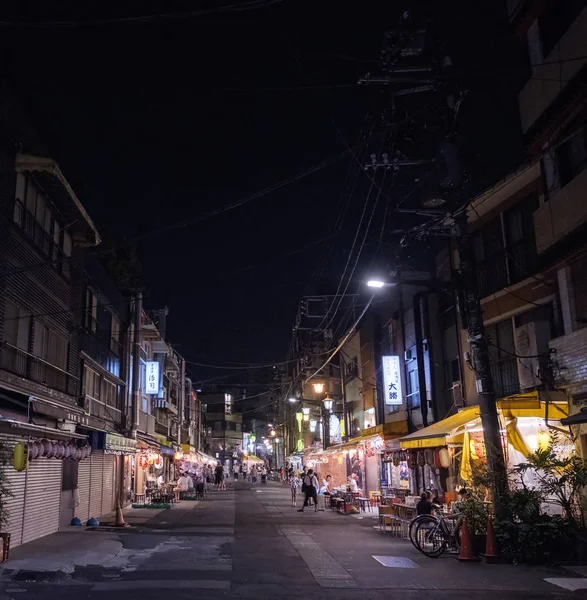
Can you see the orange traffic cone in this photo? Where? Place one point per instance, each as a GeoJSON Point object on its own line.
{"type": "Point", "coordinates": [491, 549]}
{"type": "Point", "coordinates": [120, 522]}
{"type": "Point", "coordinates": [466, 553]}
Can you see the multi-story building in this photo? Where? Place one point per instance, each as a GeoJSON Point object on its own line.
{"type": "Point", "coordinates": [553, 111]}
{"type": "Point", "coordinates": [57, 327]}
{"type": "Point", "coordinates": [223, 426]}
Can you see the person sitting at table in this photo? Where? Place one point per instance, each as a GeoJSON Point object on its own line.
{"type": "Point", "coordinates": [352, 484]}
{"type": "Point", "coordinates": [326, 487]}
{"type": "Point", "coordinates": [425, 506]}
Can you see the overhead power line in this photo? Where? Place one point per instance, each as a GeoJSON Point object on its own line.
{"type": "Point", "coordinates": [228, 8]}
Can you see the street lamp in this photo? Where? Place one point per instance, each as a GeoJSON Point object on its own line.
{"type": "Point", "coordinates": [273, 433]}
{"type": "Point", "coordinates": [313, 424]}
{"type": "Point", "coordinates": [378, 284]}
{"type": "Point", "coordinates": [306, 413]}
{"type": "Point", "coordinates": [292, 400]}
{"type": "Point", "coordinates": [318, 388]}
{"type": "Point", "coordinates": [328, 403]}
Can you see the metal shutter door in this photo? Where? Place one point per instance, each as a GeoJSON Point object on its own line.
{"type": "Point", "coordinates": [42, 498]}
{"type": "Point", "coordinates": [83, 488]}
{"type": "Point", "coordinates": [96, 482]}
{"type": "Point", "coordinates": [15, 480]}
{"type": "Point", "coordinates": [108, 486]}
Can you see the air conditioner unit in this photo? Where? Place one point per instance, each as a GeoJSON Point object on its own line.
{"type": "Point", "coordinates": [527, 350]}
{"type": "Point", "coordinates": [408, 355]}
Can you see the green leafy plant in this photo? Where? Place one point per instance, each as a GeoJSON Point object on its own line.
{"type": "Point", "coordinates": [476, 513]}
{"type": "Point", "coordinates": [5, 491]}
{"type": "Point", "coordinates": [559, 478]}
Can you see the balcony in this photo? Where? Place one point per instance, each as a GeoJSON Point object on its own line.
{"type": "Point", "coordinates": [505, 377]}
{"type": "Point", "coordinates": [103, 411]}
{"type": "Point", "coordinates": [146, 423]}
{"type": "Point", "coordinates": [563, 213]}
{"type": "Point", "coordinates": [21, 363]}
{"type": "Point", "coordinates": [550, 78]}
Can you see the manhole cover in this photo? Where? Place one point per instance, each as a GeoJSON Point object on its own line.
{"type": "Point", "coordinates": [34, 575]}
{"type": "Point", "coordinates": [399, 562]}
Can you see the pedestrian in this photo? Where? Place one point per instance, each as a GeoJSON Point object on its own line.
{"type": "Point", "coordinates": [219, 476]}
{"type": "Point", "coordinates": [254, 475]}
{"type": "Point", "coordinates": [310, 490]}
{"type": "Point", "coordinates": [295, 484]}
{"type": "Point", "coordinates": [424, 507]}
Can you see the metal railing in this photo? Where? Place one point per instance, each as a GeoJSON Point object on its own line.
{"type": "Point", "coordinates": [505, 377]}
{"type": "Point", "coordinates": [21, 363]}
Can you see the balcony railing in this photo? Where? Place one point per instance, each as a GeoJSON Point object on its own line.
{"type": "Point", "coordinates": [21, 363]}
{"type": "Point", "coordinates": [505, 377]}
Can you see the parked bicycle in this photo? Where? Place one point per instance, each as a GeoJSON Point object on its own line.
{"type": "Point", "coordinates": [432, 536]}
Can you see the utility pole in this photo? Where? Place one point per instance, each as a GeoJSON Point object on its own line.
{"type": "Point", "coordinates": [480, 358]}
{"type": "Point", "coordinates": [136, 365]}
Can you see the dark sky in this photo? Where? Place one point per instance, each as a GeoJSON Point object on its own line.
{"type": "Point", "coordinates": [157, 123]}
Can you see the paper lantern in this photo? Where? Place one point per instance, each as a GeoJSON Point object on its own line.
{"type": "Point", "coordinates": [158, 461]}
{"type": "Point", "coordinates": [143, 461]}
{"type": "Point", "coordinates": [33, 451]}
{"type": "Point", "coordinates": [59, 450]}
{"type": "Point", "coordinates": [444, 458]}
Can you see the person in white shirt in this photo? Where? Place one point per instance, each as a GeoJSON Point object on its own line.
{"type": "Point", "coordinates": [326, 487]}
{"type": "Point", "coordinates": [352, 484]}
{"type": "Point", "coordinates": [310, 484]}
{"type": "Point", "coordinates": [182, 484]}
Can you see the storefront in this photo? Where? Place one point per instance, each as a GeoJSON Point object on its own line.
{"type": "Point", "coordinates": [449, 453]}
{"type": "Point", "coordinates": [38, 462]}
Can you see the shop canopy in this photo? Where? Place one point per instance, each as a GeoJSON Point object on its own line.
{"type": "Point", "coordinates": [512, 407]}
{"type": "Point", "coordinates": [253, 458]}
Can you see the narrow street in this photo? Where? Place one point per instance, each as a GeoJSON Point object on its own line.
{"type": "Point", "coordinates": [250, 543]}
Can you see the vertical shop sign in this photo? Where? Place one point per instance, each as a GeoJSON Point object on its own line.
{"type": "Point", "coordinates": [392, 380]}
{"type": "Point", "coordinates": [152, 386]}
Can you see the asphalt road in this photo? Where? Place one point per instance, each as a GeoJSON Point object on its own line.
{"type": "Point", "coordinates": [251, 543]}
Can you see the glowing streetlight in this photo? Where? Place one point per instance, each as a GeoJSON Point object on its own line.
{"type": "Point", "coordinates": [376, 283]}
{"type": "Point", "coordinates": [313, 424]}
{"type": "Point", "coordinates": [306, 413]}
{"type": "Point", "coordinates": [328, 401]}
{"type": "Point", "coordinates": [273, 433]}
{"type": "Point", "coordinates": [318, 388]}
{"type": "Point", "coordinates": [292, 399]}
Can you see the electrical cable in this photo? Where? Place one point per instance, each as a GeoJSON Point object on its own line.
{"type": "Point", "coordinates": [229, 8]}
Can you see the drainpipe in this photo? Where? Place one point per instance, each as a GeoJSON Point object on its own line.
{"type": "Point", "coordinates": [136, 365]}
{"type": "Point", "coordinates": [420, 356]}
{"type": "Point", "coordinates": [182, 399]}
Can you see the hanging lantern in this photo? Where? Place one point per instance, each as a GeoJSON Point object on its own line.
{"type": "Point", "coordinates": [67, 451]}
{"type": "Point", "coordinates": [33, 451]}
{"type": "Point", "coordinates": [20, 457]}
{"type": "Point", "coordinates": [158, 461]}
{"type": "Point", "coordinates": [444, 458]}
{"type": "Point", "coordinates": [179, 456]}
{"type": "Point", "coordinates": [143, 461]}
{"type": "Point", "coordinates": [52, 449]}
{"type": "Point", "coordinates": [46, 447]}
{"type": "Point", "coordinates": [59, 450]}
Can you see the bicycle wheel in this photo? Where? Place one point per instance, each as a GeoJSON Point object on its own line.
{"type": "Point", "coordinates": [413, 525]}
{"type": "Point", "coordinates": [430, 537]}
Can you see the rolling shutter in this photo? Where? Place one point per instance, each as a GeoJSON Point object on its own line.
{"type": "Point", "coordinates": [108, 485]}
{"type": "Point", "coordinates": [96, 481]}
{"type": "Point", "coordinates": [14, 505]}
{"type": "Point", "coordinates": [42, 498]}
{"type": "Point", "coordinates": [83, 484]}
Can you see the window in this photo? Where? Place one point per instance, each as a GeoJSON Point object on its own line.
{"type": "Point", "coordinates": [115, 334]}
{"type": "Point", "coordinates": [91, 312]}
{"type": "Point", "coordinates": [109, 393]}
{"type": "Point", "coordinates": [17, 326]}
{"type": "Point", "coordinates": [502, 350]}
{"type": "Point", "coordinates": [520, 241]}
{"type": "Point", "coordinates": [92, 383]}
{"type": "Point", "coordinates": [490, 258]}
{"type": "Point", "coordinates": [67, 245]}
{"type": "Point", "coordinates": [413, 388]}
{"type": "Point", "coordinates": [352, 368]}
{"type": "Point", "coordinates": [50, 346]}
{"type": "Point", "coordinates": [578, 271]}
{"type": "Point", "coordinates": [228, 404]}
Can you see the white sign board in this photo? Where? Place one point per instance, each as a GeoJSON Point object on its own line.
{"type": "Point", "coordinates": [392, 382]}
{"type": "Point", "coordinates": [152, 385]}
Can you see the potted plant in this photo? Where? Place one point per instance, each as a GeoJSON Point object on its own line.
{"type": "Point", "coordinates": [476, 513]}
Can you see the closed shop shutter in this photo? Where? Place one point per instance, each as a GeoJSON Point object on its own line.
{"type": "Point", "coordinates": [15, 481]}
{"type": "Point", "coordinates": [83, 483]}
{"type": "Point", "coordinates": [108, 486]}
{"type": "Point", "coordinates": [96, 482]}
{"type": "Point", "coordinates": [42, 498]}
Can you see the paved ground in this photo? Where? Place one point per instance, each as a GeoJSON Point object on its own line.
{"type": "Point", "coordinates": [250, 543]}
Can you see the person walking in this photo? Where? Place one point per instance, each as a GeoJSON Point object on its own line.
{"type": "Point", "coordinates": [254, 475]}
{"type": "Point", "coordinates": [295, 485]}
{"type": "Point", "coordinates": [219, 477]}
{"type": "Point", "coordinates": [310, 490]}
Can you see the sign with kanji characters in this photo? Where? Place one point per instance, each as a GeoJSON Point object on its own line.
{"type": "Point", "coordinates": [152, 386]}
{"type": "Point", "coordinates": [392, 382]}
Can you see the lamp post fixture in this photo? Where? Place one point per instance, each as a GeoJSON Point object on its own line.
{"type": "Point", "coordinates": [318, 388]}
{"type": "Point", "coordinates": [306, 413]}
{"type": "Point", "coordinates": [328, 401]}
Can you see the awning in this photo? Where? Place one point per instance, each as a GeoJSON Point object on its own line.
{"type": "Point", "coordinates": [20, 428]}
{"type": "Point", "coordinates": [435, 435]}
{"type": "Point", "coordinates": [576, 419]}
{"type": "Point", "coordinates": [118, 444]}
{"type": "Point", "coordinates": [516, 406]}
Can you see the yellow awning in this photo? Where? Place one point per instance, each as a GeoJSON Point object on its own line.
{"type": "Point", "coordinates": [519, 405]}
{"type": "Point", "coordinates": [435, 435]}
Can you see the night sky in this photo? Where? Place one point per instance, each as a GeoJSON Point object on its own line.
{"type": "Point", "coordinates": [158, 123]}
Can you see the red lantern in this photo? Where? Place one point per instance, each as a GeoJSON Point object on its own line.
{"type": "Point", "coordinates": [143, 461]}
